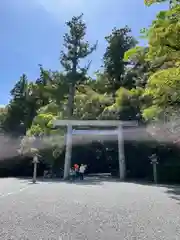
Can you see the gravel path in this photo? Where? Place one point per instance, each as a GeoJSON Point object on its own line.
{"type": "Point", "coordinates": [92, 210]}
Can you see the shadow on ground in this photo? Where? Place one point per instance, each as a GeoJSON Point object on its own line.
{"type": "Point", "coordinates": [93, 180]}
{"type": "Point", "coordinates": [173, 190]}
{"type": "Point", "coordinates": [88, 180]}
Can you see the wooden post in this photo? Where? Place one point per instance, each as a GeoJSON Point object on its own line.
{"type": "Point", "coordinates": [121, 158]}
{"type": "Point", "coordinates": [67, 162]}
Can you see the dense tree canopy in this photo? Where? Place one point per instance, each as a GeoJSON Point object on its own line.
{"type": "Point", "coordinates": [119, 41]}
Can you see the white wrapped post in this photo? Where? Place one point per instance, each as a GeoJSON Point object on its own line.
{"type": "Point", "coordinates": [121, 158]}
{"type": "Point", "coordinates": [35, 162]}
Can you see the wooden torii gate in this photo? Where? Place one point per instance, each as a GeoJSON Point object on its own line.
{"type": "Point", "coordinates": [96, 123]}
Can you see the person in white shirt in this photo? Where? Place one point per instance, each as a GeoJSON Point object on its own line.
{"type": "Point", "coordinates": [81, 171]}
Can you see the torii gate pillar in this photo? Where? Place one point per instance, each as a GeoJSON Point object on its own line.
{"type": "Point", "coordinates": [67, 162]}
{"type": "Point", "coordinates": [121, 156]}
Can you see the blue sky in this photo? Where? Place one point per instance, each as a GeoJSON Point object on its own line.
{"type": "Point", "coordinates": [32, 31]}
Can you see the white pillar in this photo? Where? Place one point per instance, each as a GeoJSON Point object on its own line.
{"type": "Point", "coordinates": [67, 163]}
{"type": "Point", "coordinates": [121, 157]}
{"type": "Point", "coordinates": [35, 173]}
{"type": "Point", "coordinates": [35, 162]}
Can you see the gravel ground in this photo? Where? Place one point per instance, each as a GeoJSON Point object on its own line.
{"type": "Point", "coordinates": [95, 209]}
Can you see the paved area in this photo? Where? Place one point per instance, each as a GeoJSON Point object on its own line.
{"type": "Point", "coordinates": [94, 210]}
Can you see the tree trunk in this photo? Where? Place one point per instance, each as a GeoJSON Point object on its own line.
{"type": "Point", "coordinates": [70, 105]}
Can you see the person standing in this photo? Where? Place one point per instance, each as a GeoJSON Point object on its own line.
{"type": "Point", "coordinates": [72, 174]}
{"type": "Point", "coordinates": [81, 172]}
{"type": "Point", "coordinates": [76, 168]}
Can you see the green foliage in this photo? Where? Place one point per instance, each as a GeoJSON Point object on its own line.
{"type": "Point", "coordinates": [76, 47]}
{"type": "Point", "coordinates": [100, 84]}
{"type": "Point", "coordinates": [135, 55]}
{"type": "Point", "coordinates": [90, 104]}
{"type": "Point", "coordinates": [119, 41]}
{"type": "Point", "coordinates": [163, 36]}
{"type": "Point", "coordinates": [152, 113]}
{"type": "Point", "coordinates": [22, 107]}
{"type": "Point", "coordinates": [171, 2]}
{"type": "Point", "coordinates": [51, 86]}
{"type": "Point", "coordinates": [150, 2]}
{"type": "Point", "coordinates": [164, 87]}
{"type": "Point", "coordinates": [127, 105]}
{"type": "Point", "coordinates": [3, 113]}
{"type": "Point", "coordinates": [138, 71]}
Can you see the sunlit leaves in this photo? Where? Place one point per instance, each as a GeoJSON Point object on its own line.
{"type": "Point", "coordinates": [126, 107]}
{"type": "Point", "coordinates": [136, 55]}
{"type": "Point", "coordinates": [164, 87]}
{"type": "Point", "coordinates": [90, 104]}
{"type": "Point", "coordinates": [152, 113]}
{"type": "Point", "coordinates": [164, 37]}
{"type": "Point", "coordinates": [150, 2]}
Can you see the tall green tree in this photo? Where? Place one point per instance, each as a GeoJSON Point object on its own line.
{"type": "Point", "coordinates": [118, 42]}
{"type": "Point", "coordinates": [15, 118]}
{"type": "Point", "coordinates": [162, 88]}
{"type": "Point", "coordinates": [76, 49]}
{"type": "Point", "coordinates": [44, 80]}
{"type": "Point", "coordinates": [22, 107]}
